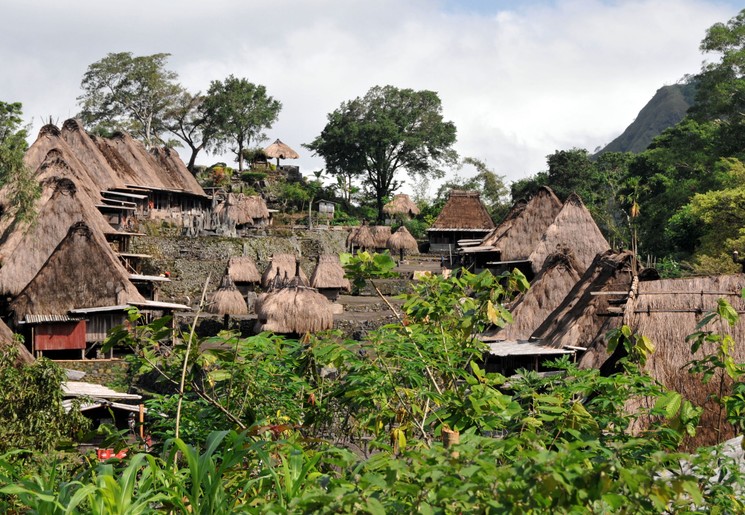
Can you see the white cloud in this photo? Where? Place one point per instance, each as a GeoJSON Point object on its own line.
{"type": "Point", "coordinates": [519, 83]}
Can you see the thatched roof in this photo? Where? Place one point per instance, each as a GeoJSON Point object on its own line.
{"type": "Point", "coordinates": [81, 272]}
{"type": "Point", "coordinates": [242, 209]}
{"type": "Point", "coordinates": [521, 231]}
{"type": "Point", "coordinates": [380, 233]}
{"type": "Point", "coordinates": [7, 340]}
{"type": "Point", "coordinates": [282, 266]}
{"type": "Point", "coordinates": [575, 228]}
{"type": "Point", "coordinates": [401, 205]}
{"type": "Point", "coordinates": [362, 237]}
{"type": "Point", "coordinates": [463, 210]}
{"type": "Point", "coordinates": [402, 240]}
{"type": "Point", "coordinates": [583, 317]}
{"type": "Point", "coordinates": [329, 273]}
{"type": "Point", "coordinates": [548, 289]}
{"type": "Point", "coordinates": [280, 150]}
{"type": "Point", "coordinates": [227, 300]}
{"type": "Point", "coordinates": [666, 311]}
{"type": "Point", "coordinates": [29, 246]}
{"type": "Point", "coordinates": [242, 269]}
{"type": "Point", "coordinates": [296, 310]}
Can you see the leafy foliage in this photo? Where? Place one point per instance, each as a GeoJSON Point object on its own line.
{"type": "Point", "coordinates": [24, 189]}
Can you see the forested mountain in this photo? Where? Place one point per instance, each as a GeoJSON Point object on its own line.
{"type": "Point", "coordinates": [667, 107]}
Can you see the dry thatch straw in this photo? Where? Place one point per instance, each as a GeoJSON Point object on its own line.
{"type": "Point", "coordinates": [380, 233]}
{"type": "Point", "coordinates": [576, 322]}
{"type": "Point", "coordinates": [82, 272]}
{"type": "Point", "coordinates": [329, 273]}
{"type": "Point", "coordinates": [296, 310]}
{"type": "Point", "coordinates": [243, 209]}
{"type": "Point", "coordinates": [7, 341]}
{"type": "Point", "coordinates": [363, 238]}
{"type": "Point", "coordinates": [517, 236]}
{"type": "Point", "coordinates": [666, 311]}
{"type": "Point", "coordinates": [575, 228]}
{"type": "Point", "coordinates": [282, 266]}
{"type": "Point", "coordinates": [279, 150]}
{"type": "Point", "coordinates": [29, 246]}
{"type": "Point", "coordinates": [170, 163]}
{"type": "Point", "coordinates": [242, 269]}
{"type": "Point", "coordinates": [402, 240]}
{"type": "Point", "coordinates": [227, 300]}
{"type": "Point", "coordinates": [401, 205]}
{"type": "Point", "coordinates": [463, 210]}
{"type": "Point", "coordinates": [548, 289]}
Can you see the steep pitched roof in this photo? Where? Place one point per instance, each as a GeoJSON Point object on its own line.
{"type": "Point", "coordinates": [463, 210]}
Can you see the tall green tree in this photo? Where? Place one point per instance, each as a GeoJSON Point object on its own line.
{"type": "Point", "coordinates": [24, 189]}
{"type": "Point", "coordinates": [387, 131]}
{"type": "Point", "coordinates": [240, 111]}
{"type": "Point", "coordinates": [188, 120]}
{"type": "Point", "coordinates": [124, 92]}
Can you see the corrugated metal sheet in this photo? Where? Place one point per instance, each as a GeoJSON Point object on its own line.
{"type": "Point", "coordinates": [524, 348]}
{"type": "Point", "coordinates": [94, 391]}
{"type": "Point", "coordinates": [60, 336]}
{"type": "Point", "coordinates": [49, 319]}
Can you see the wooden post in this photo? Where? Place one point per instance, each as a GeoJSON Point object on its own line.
{"type": "Point", "coordinates": [450, 438]}
{"type": "Point", "coordinates": [142, 421]}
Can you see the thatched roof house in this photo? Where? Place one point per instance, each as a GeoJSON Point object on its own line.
{"type": "Point", "coordinates": [402, 241]}
{"type": "Point", "coordinates": [81, 272]}
{"type": "Point", "coordinates": [361, 238]}
{"type": "Point", "coordinates": [591, 308]}
{"type": "Point", "coordinates": [28, 247]}
{"type": "Point", "coordinates": [282, 267]}
{"type": "Point", "coordinates": [328, 277]}
{"type": "Point", "coordinates": [573, 227]}
{"type": "Point", "coordinates": [294, 310]}
{"type": "Point", "coordinates": [380, 233]}
{"type": "Point", "coordinates": [462, 217]}
{"type": "Point", "coordinates": [243, 270]}
{"type": "Point", "coordinates": [550, 287]}
{"type": "Point", "coordinates": [243, 210]}
{"type": "Point", "coordinates": [520, 232]}
{"type": "Point", "coordinates": [401, 206]}
{"type": "Point", "coordinates": [227, 300]}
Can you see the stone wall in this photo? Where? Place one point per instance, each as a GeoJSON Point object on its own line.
{"type": "Point", "coordinates": [106, 372]}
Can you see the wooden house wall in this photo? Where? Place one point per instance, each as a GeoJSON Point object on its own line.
{"type": "Point", "coordinates": [60, 336]}
{"type": "Point", "coordinates": [99, 324]}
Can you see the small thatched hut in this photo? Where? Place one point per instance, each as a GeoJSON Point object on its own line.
{"type": "Point", "coordinates": [294, 310]}
{"type": "Point", "coordinates": [328, 277]}
{"type": "Point", "coordinates": [361, 238]}
{"type": "Point", "coordinates": [283, 267]}
{"type": "Point", "coordinates": [244, 273]}
{"type": "Point", "coordinates": [558, 276]}
{"type": "Point", "coordinates": [280, 150]}
{"type": "Point", "coordinates": [380, 233]}
{"type": "Point", "coordinates": [463, 217]}
{"type": "Point", "coordinates": [401, 206]}
{"type": "Point", "coordinates": [402, 242]}
{"type": "Point", "coordinates": [227, 300]}
{"type": "Point", "coordinates": [574, 228]}
{"type": "Point", "coordinates": [243, 210]}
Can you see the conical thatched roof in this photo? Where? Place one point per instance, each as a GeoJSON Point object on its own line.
{"type": "Point", "coordinates": [295, 310]}
{"type": "Point", "coordinates": [402, 240]}
{"type": "Point", "coordinates": [548, 289]}
{"type": "Point", "coordinates": [380, 233]}
{"type": "Point", "coordinates": [81, 272]}
{"type": "Point", "coordinates": [29, 247]}
{"type": "Point", "coordinates": [279, 150]}
{"type": "Point", "coordinates": [329, 273]}
{"type": "Point", "coordinates": [363, 238]}
{"type": "Point", "coordinates": [583, 317]}
{"type": "Point", "coordinates": [227, 300]}
{"type": "Point", "coordinates": [242, 209]}
{"type": "Point", "coordinates": [242, 269]}
{"type": "Point", "coordinates": [519, 234]}
{"type": "Point", "coordinates": [575, 228]}
{"type": "Point", "coordinates": [281, 266]}
{"type": "Point", "coordinates": [7, 340]}
{"type": "Point", "coordinates": [401, 205]}
{"type": "Point", "coordinates": [463, 210]}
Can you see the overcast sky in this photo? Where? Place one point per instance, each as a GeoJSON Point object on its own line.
{"type": "Point", "coordinates": [520, 79]}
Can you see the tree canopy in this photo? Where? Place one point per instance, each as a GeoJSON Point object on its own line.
{"type": "Point", "coordinates": [386, 131]}
{"type": "Point", "coordinates": [124, 92]}
{"type": "Point", "coordinates": [23, 188]}
{"type": "Point", "coordinates": [240, 111]}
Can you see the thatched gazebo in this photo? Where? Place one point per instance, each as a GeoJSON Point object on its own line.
{"type": "Point", "coordinates": [294, 310]}
{"type": "Point", "coordinates": [380, 233]}
{"type": "Point", "coordinates": [227, 300]}
{"type": "Point", "coordinates": [279, 150]}
{"type": "Point", "coordinates": [362, 238]}
{"type": "Point", "coordinates": [244, 273]}
{"type": "Point", "coordinates": [282, 269]}
{"type": "Point", "coordinates": [403, 242]}
{"type": "Point", "coordinates": [328, 277]}
{"type": "Point", "coordinates": [402, 206]}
